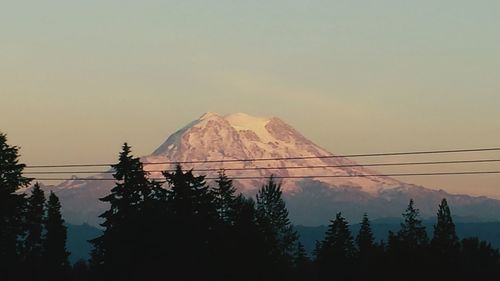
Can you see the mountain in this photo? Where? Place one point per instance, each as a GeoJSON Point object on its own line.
{"type": "Point", "coordinates": [311, 201]}
{"type": "Point", "coordinates": [241, 136]}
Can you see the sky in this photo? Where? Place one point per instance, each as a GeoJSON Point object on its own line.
{"type": "Point", "coordinates": [78, 78]}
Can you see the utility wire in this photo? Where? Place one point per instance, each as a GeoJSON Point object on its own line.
{"type": "Point", "coordinates": [303, 177]}
{"type": "Point", "coordinates": [287, 167]}
{"type": "Point", "coordinates": [278, 158]}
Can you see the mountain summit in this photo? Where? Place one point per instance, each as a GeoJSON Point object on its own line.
{"type": "Point", "coordinates": [240, 136]}
{"type": "Point", "coordinates": [312, 195]}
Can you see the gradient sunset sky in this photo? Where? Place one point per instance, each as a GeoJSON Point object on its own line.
{"type": "Point", "coordinates": [78, 78]}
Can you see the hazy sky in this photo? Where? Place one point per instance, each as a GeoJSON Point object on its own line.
{"type": "Point", "coordinates": [78, 78]}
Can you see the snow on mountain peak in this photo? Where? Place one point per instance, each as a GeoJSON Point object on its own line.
{"type": "Point", "coordinates": [242, 136]}
{"type": "Point", "coordinates": [209, 115]}
{"type": "Point", "coordinates": [245, 123]}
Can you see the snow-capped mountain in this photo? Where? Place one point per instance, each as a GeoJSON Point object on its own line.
{"type": "Point", "coordinates": [241, 136]}
{"type": "Point", "coordinates": [312, 200]}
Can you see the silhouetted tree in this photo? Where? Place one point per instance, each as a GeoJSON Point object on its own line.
{"type": "Point", "coordinates": [33, 242]}
{"type": "Point", "coordinates": [365, 239]}
{"type": "Point", "coordinates": [408, 249]}
{"type": "Point", "coordinates": [369, 253]}
{"type": "Point", "coordinates": [248, 250]}
{"type": "Point", "coordinates": [479, 260]}
{"type": "Point", "coordinates": [55, 255]}
{"type": "Point", "coordinates": [11, 208]}
{"type": "Point", "coordinates": [192, 218]}
{"type": "Point", "coordinates": [302, 264]}
{"type": "Point", "coordinates": [336, 254]}
{"type": "Point", "coordinates": [412, 232]}
{"type": "Point", "coordinates": [445, 237]}
{"type": "Point", "coordinates": [224, 196]}
{"type": "Point", "coordinates": [123, 236]}
{"type": "Point", "coordinates": [272, 219]}
{"type": "Point", "coordinates": [445, 245]}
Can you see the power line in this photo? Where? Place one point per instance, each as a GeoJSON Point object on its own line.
{"type": "Point", "coordinates": [287, 167]}
{"type": "Point", "coordinates": [278, 158]}
{"type": "Point", "coordinates": [303, 177]}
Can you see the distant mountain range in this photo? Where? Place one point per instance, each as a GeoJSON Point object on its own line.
{"type": "Point", "coordinates": [311, 201]}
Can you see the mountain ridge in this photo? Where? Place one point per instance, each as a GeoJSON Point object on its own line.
{"type": "Point", "coordinates": [311, 201]}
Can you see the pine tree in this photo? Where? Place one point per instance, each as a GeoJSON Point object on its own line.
{"type": "Point", "coordinates": [445, 245]}
{"type": "Point", "coordinates": [478, 260]}
{"type": "Point", "coordinates": [55, 255]}
{"type": "Point", "coordinates": [409, 248]}
{"type": "Point", "coordinates": [248, 250]}
{"type": "Point", "coordinates": [337, 250]}
{"type": "Point", "coordinates": [272, 218]}
{"type": "Point", "coordinates": [365, 239]}
{"type": "Point", "coordinates": [224, 195]}
{"type": "Point", "coordinates": [33, 242]}
{"type": "Point", "coordinates": [300, 256]}
{"type": "Point", "coordinates": [192, 218]}
{"type": "Point", "coordinates": [412, 231]}
{"type": "Point", "coordinates": [369, 252]}
{"type": "Point", "coordinates": [301, 263]}
{"type": "Point", "coordinates": [445, 240]}
{"type": "Point", "coordinates": [11, 207]}
{"type": "Point", "coordinates": [124, 234]}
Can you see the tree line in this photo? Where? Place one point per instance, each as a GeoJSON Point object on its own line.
{"type": "Point", "coordinates": [184, 229]}
{"type": "Point", "coordinates": [32, 230]}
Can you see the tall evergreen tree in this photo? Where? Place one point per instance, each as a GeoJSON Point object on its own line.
{"type": "Point", "coordinates": [412, 232]}
{"type": "Point", "coordinates": [224, 196]}
{"type": "Point", "coordinates": [33, 242]}
{"type": "Point", "coordinates": [445, 245]}
{"type": "Point", "coordinates": [300, 257]}
{"type": "Point", "coordinates": [445, 240]}
{"type": "Point", "coordinates": [301, 263]}
{"type": "Point", "coordinates": [337, 252]}
{"type": "Point", "coordinates": [365, 240]}
{"type": "Point", "coordinates": [55, 255]}
{"type": "Point", "coordinates": [123, 236]}
{"type": "Point", "coordinates": [192, 217]}
{"type": "Point", "coordinates": [248, 250]}
{"type": "Point", "coordinates": [370, 254]}
{"type": "Point", "coordinates": [11, 208]}
{"type": "Point", "coordinates": [272, 218]}
{"type": "Point", "coordinates": [408, 249]}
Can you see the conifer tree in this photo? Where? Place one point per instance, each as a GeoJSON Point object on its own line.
{"type": "Point", "coordinates": [300, 257]}
{"type": "Point", "coordinates": [445, 240]}
{"type": "Point", "coordinates": [365, 239]}
{"type": "Point", "coordinates": [301, 263]}
{"type": "Point", "coordinates": [191, 217]}
{"type": "Point", "coordinates": [224, 196]}
{"type": "Point", "coordinates": [123, 235]}
{"type": "Point", "coordinates": [272, 218]}
{"type": "Point", "coordinates": [248, 249]}
{"type": "Point", "coordinates": [409, 248]}
{"type": "Point", "coordinates": [337, 250]}
{"type": "Point", "coordinates": [11, 207]}
{"type": "Point", "coordinates": [445, 246]}
{"type": "Point", "coordinates": [478, 260]}
{"type": "Point", "coordinates": [55, 255]}
{"type": "Point", "coordinates": [33, 242]}
{"type": "Point", "coordinates": [369, 253]}
{"type": "Point", "coordinates": [412, 232]}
